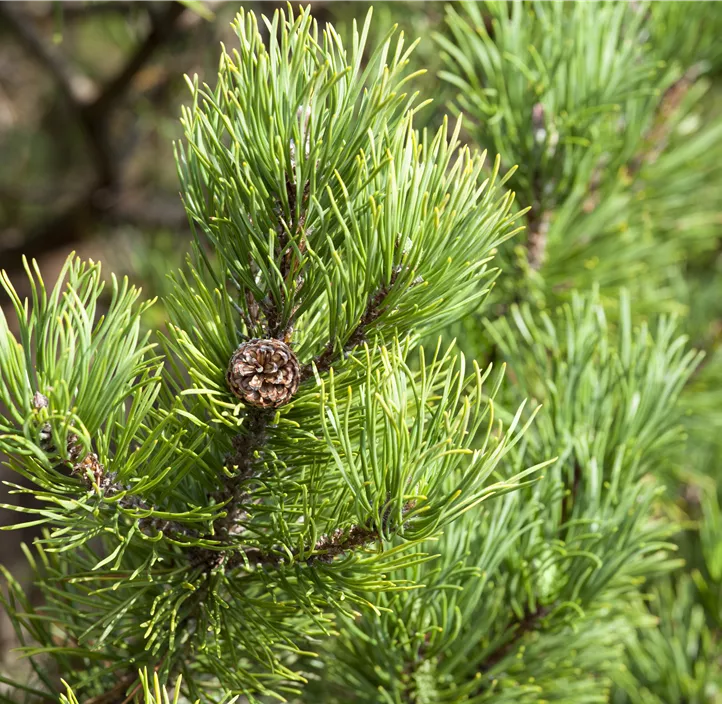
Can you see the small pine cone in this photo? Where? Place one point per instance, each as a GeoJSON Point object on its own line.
{"type": "Point", "coordinates": [264, 373]}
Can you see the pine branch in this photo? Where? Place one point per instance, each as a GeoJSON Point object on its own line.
{"type": "Point", "coordinates": [242, 462]}
{"type": "Point", "coordinates": [326, 549]}
{"type": "Point", "coordinates": [656, 139]}
{"type": "Point", "coordinates": [374, 309]}
{"type": "Point", "coordinates": [292, 277]}
{"type": "Point", "coordinates": [88, 468]}
{"type": "Point", "coordinates": [327, 469]}
{"type": "Point", "coordinates": [525, 625]}
{"type": "Point", "coordinates": [116, 695]}
{"type": "Point", "coordinates": [538, 226]}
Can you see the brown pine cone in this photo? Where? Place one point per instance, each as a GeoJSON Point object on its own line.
{"type": "Point", "coordinates": [264, 373]}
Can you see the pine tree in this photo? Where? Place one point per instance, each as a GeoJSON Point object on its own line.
{"type": "Point", "coordinates": [298, 492]}
{"type": "Point", "coordinates": [212, 501]}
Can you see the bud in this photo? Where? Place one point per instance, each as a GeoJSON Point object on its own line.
{"type": "Point", "coordinates": [264, 373]}
{"type": "Point", "coordinates": [39, 401]}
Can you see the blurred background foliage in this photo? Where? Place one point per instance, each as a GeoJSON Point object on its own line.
{"type": "Point", "coordinates": [90, 95]}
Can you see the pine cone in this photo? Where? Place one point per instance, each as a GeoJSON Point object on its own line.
{"type": "Point", "coordinates": [264, 373]}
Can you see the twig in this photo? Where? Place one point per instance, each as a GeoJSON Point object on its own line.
{"type": "Point", "coordinates": [654, 141]}
{"type": "Point", "coordinates": [523, 626]}
{"type": "Point", "coordinates": [374, 309]}
{"type": "Point", "coordinates": [242, 461]}
{"type": "Point", "coordinates": [232, 557]}
{"type": "Point", "coordinates": [538, 225]}
{"type": "Point", "coordinates": [325, 550]}
{"type": "Point", "coordinates": [289, 267]}
{"type": "Point", "coordinates": [658, 135]}
{"type": "Point", "coordinates": [91, 471]}
{"type": "Point", "coordinates": [115, 693]}
{"type": "Point", "coordinates": [331, 546]}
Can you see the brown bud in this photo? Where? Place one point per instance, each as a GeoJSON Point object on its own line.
{"type": "Point", "coordinates": [90, 465]}
{"type": "Point", "coordinates": [264, 373]}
